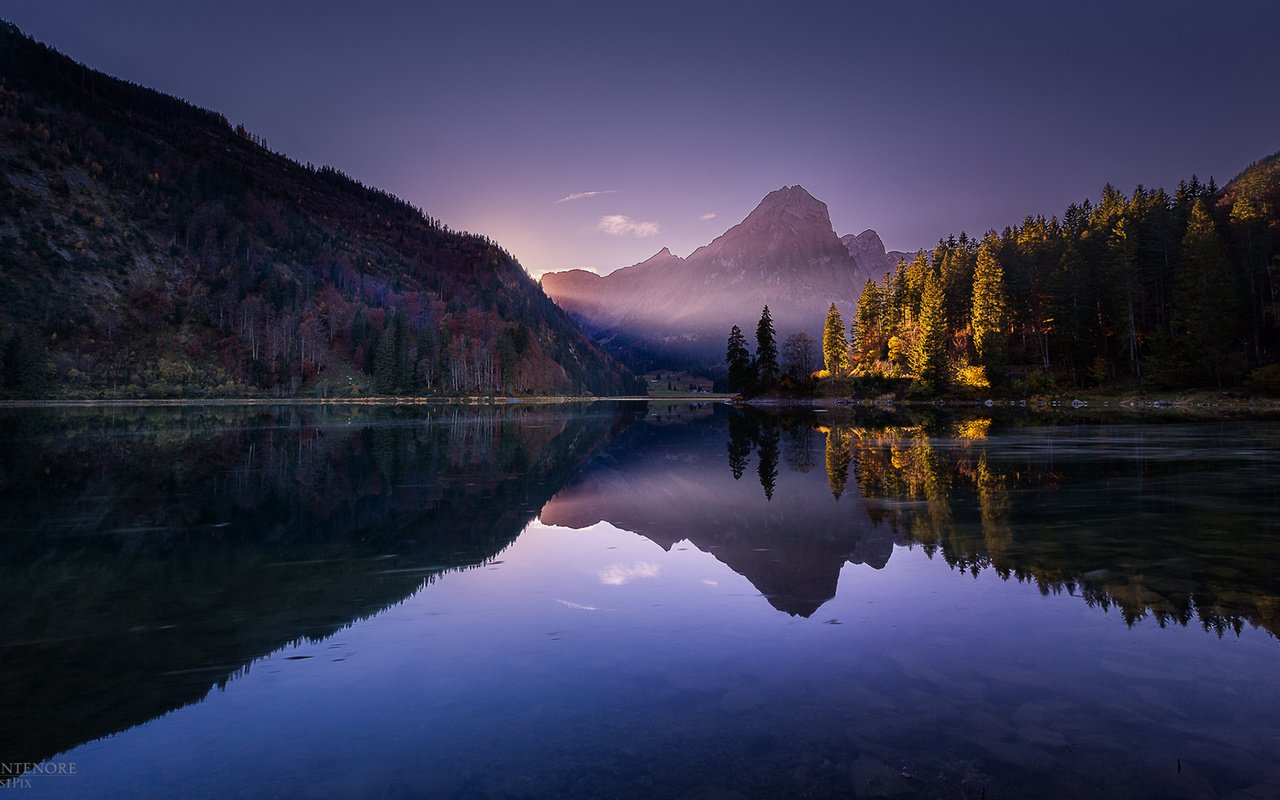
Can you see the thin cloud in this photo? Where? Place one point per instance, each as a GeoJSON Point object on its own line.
{"type": "Point", "coordinates": [620, 225]}
{"type": "Point", "coordinates": [708, 215]}
{"type": "Point", "coordinates": [578, 606]}
{"type": "Point", "coordinates": [583, 195]}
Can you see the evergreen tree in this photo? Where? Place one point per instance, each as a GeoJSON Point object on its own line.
{"type": "Point", "coordinates": [1249, 223]}
{"type": "Point", "coordinates": [405, 354]}
{"type": "Point", "coordinates": [835, 349]}
{"type": "Point", "coordinates": [386, 362]}
{"type": "Point", "coordinates": [899, 305]}
{"type": "Point", "coordinates": [868, 325]}
{"type": "Point", "coordinates": [989, 317]}
{"type": "Point", "coordinates": [739, 361]}
{"type": "Point", "coordinates": [929, 358]}
{"type": "Point", "coordinates": [1205, 304]}
{"type": "Point", "coordinates": [766, 352]}
{"type": "Point", "coordinates": [956, 263]}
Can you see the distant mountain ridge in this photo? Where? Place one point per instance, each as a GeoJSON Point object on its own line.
{"type": "Point", "coordinates": [784, 254]}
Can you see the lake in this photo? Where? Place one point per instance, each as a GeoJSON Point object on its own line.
{"type": "Point", "coordinates": [637, 601]}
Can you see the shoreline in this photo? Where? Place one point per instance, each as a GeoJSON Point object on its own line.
{"type": "Point", "coordinates": [390, 400]}
{"type": "Point", "coordinates": [1194, 404]}
{"type": "Point", "coordinates": [1084, 403]}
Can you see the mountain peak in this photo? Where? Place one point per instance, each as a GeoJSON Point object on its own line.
{"type": "Point", "coordinates": [867, 249]}
{"type": "Point", "coordinates": [868, 237]}
{"type": "Point", "coordinates": [662, 258]}
{"type": "Point", "coordinates": [795, 193]}
{"type": "Point", "coordinates": [784, 254]}
{"type": "Point", "coordinates": [791, 201]}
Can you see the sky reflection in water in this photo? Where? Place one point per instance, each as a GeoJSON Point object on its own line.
{"type": "Point", "coordinates": [674, 633]}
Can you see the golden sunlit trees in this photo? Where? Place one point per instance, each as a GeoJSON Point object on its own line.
{"type": "Point", "coordinates": [835, 350]}
{"type": "Point", "coordinates": [869, 325]}
{"type": "Point", "coordinates": [1119, 289]}
{"type": "Point", "coordinates": [929, 358]}
{"type": "Point", "coordinates": [989, 317]}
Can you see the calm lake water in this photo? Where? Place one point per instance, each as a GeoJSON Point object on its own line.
{"type": "Point", "coordinates": [637, 601]}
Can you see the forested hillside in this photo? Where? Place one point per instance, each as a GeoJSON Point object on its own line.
{"type": "Point", "coordinates": [1150, 290]}
{"type": "Point", "coordinates": [148, 247]}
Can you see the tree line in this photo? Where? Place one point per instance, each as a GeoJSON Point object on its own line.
{"type": "Point", "coordinates": [1151, 289]}
{"type": "Point", "coordinates": [762, 371]}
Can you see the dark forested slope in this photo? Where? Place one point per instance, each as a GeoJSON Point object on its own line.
{"type": "Point", "coordinates": [147, 246]}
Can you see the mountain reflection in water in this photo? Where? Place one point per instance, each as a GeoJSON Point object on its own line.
{"type": "Point", "coordinates": [1170, 521]}
{"type": "Point", "coordinates": [786, 535]}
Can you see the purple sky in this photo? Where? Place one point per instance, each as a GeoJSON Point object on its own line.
{"type": "Point", "coordinates": [916, 119]}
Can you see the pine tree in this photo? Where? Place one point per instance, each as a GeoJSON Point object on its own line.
{"type": "Point", "coordinates": [1205, 304]}
{"type": "Point", "coordinates": [956, 267]}
{"type": "Point", "coordinates": [989, 317]}
{"type": "Point", "coordinates": [929, 358]}
{"type": "Point", "coordinates": [386, 362]}
{"type": "Point", "coordinates": [835, 349]}
{"type": "Point", "coordinates": [739, 361]}
{"type": "Point", "coordinates": [766, 352]}
{"type": "Point", "coordinates": [405, 354]}
{"type": "Point", "coordinates": [868, 325]}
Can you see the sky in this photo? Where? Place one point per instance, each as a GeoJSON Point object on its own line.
{"type": "Point", "coordinates": [591, 135]}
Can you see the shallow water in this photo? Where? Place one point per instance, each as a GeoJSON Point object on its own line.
{"type": "Point", "coordinates": [630, 601]}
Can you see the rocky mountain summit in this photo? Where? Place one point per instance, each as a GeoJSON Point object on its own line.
{"type": "Point", "coordinates": [868, 251]}
{"type": "Point", "coordinates": [785, 254]}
